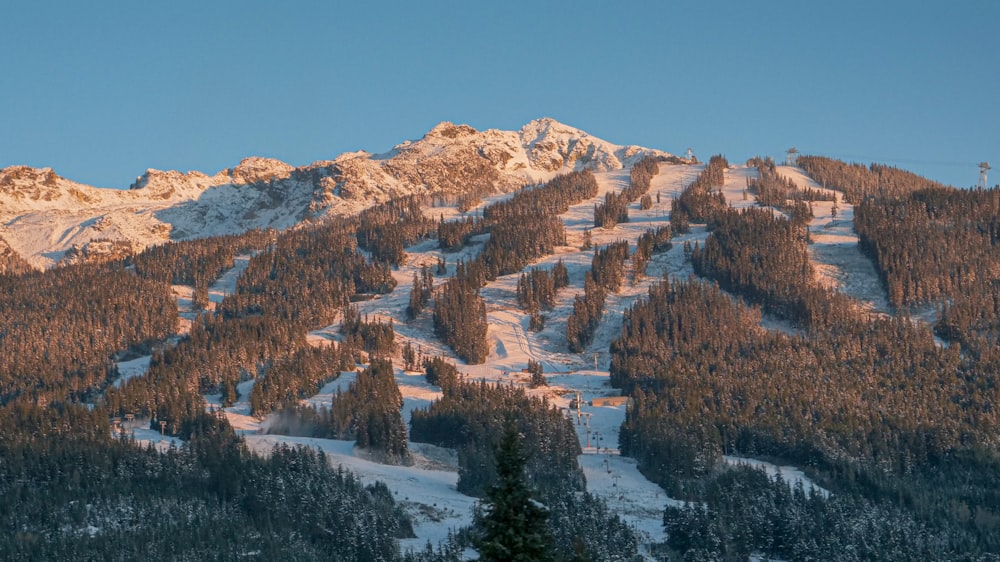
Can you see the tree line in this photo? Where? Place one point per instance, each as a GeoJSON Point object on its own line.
{"type": "Point", "coordinates": [536, 290]}
{"type": "Point", "coordinates": [387, 229]}
{"type": "Point", "coordinates": [607, 272]}
{"type": "Point", "coordinates": [470, 417]}
{"type": "Point", "coordinates": [614, 210]}
{"type": "Point", "coordinates": [301, 281]}
{"type": "Point", "coordinates": [652, 241]}
{"type": "Point", "coordinates": [73, 491]}
{"type": "Point", "coordinates": [698, 203]}
{"type": "Point", "coordinates": [764, 258]}
{"type": "Point", "coordinates": [367, 412]}
{"type": "Point", "coordinates": [298, 376]}
{"type": "Point", "coordinates": [58, 342]}
{"type": "Point", "coordinates": [772, 190]}
{"type": "Point", "coordinates": [858, 181]}
{"type": "Point", "coordinates": [460, 314]}
{"type": "Point", "coordinates": [522, 228]}
{"type": "Point", "coordinates": [938, 246]}
{"type": "Point", "coordinates": [874, 408]}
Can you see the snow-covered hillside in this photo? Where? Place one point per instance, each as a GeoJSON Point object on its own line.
{"type": "Point", "coordinates": [45, 218]}
{"type": "Point", "coordinates": [427, 489]}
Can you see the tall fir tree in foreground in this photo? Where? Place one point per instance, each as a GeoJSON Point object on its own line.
{"type": "Point", "coordinates": [513, 525]}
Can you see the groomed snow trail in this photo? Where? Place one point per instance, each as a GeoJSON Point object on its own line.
{"type": "Point", "coordinates": [427, 489]}
{"type": "Point", "coordinates": [836, 257]}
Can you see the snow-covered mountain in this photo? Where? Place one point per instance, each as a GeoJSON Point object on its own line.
{"type": "Point", "coordinates": [45, 218]}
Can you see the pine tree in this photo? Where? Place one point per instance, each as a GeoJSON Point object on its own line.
{"type": "Point", "coordinates": [537, 374]}
{"type": "Point", "coordinates": [513, 527]}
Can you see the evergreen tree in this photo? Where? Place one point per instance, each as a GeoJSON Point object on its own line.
{"type": "Point", "coordinates": [537, 374]}
{"type": "Point", "coordinates": [513, 527]}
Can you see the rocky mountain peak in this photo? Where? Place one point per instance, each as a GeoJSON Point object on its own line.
{"type": "Point", "coordinates": [547, 126]}
{"type": "Point", "coordinates": [258, 169]}
{"type": "Point", "coordinates": [450, 130]}
{"type": "Point", "coordinates": [48, 216]}
{"type": "Point", "coordinates": [14, 177]}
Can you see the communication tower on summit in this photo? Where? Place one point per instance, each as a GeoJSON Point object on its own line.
{"type": "Point", "coordinates": [983, 168]}
{"type": "Point", "coordinates": [689, 154]}
{"type": "Point", "coordinates": [793, 156]}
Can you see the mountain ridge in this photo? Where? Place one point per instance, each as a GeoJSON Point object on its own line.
{"type": "Point", "coordinates": [46, 218]}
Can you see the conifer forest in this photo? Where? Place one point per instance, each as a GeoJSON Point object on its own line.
{"type": "Point", "coordinates": [479, 336]}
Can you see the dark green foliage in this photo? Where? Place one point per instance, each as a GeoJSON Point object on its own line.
{"type": "Point", "coordinates": [409, 357]}
{"type": "Point", "coordinates": [649, 243]}
{"type": "Point", "coordinates": [375, 338]}
{"type": "Point", "coordinates": [560, 275]}
{"type": "Point", "coordinates": [608, 266]}
{"type": "Point", "coordinates": [514, 243]}
{"type": "Point", "coordinates": [614, 210]}
{"type": "Point", "coordinates": [554, 198]}
{"type": "Point", "coordinates": [197, 263]}
{"type": "Point", "coordinates": [367, 412]}
{"type": "Point", "coordinates": [295, 377]}
{"type": "Point", "coordinates": [526, 226]}
{"type": "Point", "coordinates": [216, 353]}
{"type": "Point", "coordinates": [454, 235]}
{"type": "Point", "coordinates": [537, 288]}
{"type": "Point", "coordinates": [646, 202]}
{"type": "Point", "coordinates": [697, 202]}
{"type": "Point", "coordinates": [61, 328]}
{"type": "Point", "coordinates": [460, 315]}
{"type": "Point", "coordinates": [440, 372]}
{"type": "Point", "coordinates": [420, 292]}
{"type": "Point", "coordinates": [872, 405]}
{"type": "Point", "coordinates": [586, 315]}
{"type": "Point", "coordinates": [937, 244]}
{"type": "Point", "coordinates": [470, 417]}
{"type": "Point", "coordinates": [765, 259]}
{"type": "Point", "coordinates": [584, 528]}
{"type": "Point", "coordinates": [537, 374]}
{"type": "Point", "coordinates": [386, 229]}
{"type": "Point", "coordinates": [512, 528]}
{"type": "Point", "coordinates": [11, 263]}
{"type": "Point", "coordinates": [930, 244]}
{"type": "Point", "coordinates": [640, 176]}
{"type": "Point", "coordinates": [71, 492]}
{"type": "Point", "coordinates": [859, 182]}
{"type": "Point", "coordinates": [748, 512]}
{"type": "Point", "coordinates": [772, 190]}
{"type": "Point", "coordinates": [607, 272]}
{"type": "Point", "coordinates": [199, 297]}
{"type": "Point", "coordinates": [450, 550]}
{"type": "Point", "coordinates": [522, 228]}
{"type": "Point", "coordinates": [323, 266]}
{"type": "Point", "coordinates": [300, 281]}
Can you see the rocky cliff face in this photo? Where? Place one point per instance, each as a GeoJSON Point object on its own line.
{"type": "Point", "coordinates": [47, 218]}
{"type": "Point", "coordinates": [455, 158]}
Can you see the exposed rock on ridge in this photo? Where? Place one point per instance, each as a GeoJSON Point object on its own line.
{"type": "Point", "coordinates": [46, 216]}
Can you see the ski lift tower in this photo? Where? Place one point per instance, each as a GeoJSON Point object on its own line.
{"type": "Point", "coordinates": [983, 168]}
{"type": "Point", "coordinates": [793, 156]}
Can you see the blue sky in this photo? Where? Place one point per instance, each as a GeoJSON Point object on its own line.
{"type": "Point", "coordinates": [100, 91]}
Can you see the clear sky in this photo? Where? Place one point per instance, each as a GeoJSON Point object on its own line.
{"type": "Point", "coordinates": [100, 91]}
